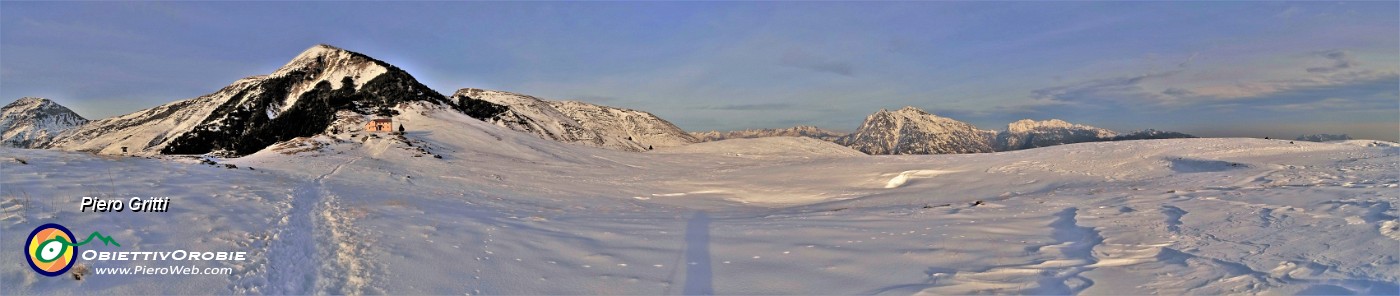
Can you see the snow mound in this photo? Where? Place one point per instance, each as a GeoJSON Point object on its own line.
{"type": "Point", "coordinates": [769, 146]}
{"type": "Point", "coordinates": [904, 177]}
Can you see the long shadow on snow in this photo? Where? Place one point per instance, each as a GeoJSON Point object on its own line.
{"type": "Point", "coordinates": [698, 277]}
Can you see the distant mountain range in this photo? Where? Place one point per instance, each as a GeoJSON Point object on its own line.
{"type": "Point", "coordinates": [796, 131]}
{"type": "Point", "coordinates": [913, 131]}
{"type": "Point", "coordinates": [1323, 137]}
{"type": "Point", "coordinates": [325, 85]}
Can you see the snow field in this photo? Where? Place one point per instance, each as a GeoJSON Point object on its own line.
{"type": "Point", "coordinates": [503, 212]}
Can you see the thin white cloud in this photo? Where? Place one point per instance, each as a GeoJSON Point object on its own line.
{"type": "Point", "coordinates": [1248, 90]}
{"type": "Point", "coordinates": [1323, 104]}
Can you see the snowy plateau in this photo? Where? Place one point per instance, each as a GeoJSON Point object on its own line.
{"type": "Point", "coordinates": [491, 198]}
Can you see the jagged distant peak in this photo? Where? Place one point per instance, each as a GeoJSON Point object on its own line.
{"type": "Point", "coordinates": [30, 101]}
{"type": "Point", "coordinates": [910, 130]}
{"type": "Point", "coordinates": [912, 109]}
{"type": "Point", "coordinates": [37, 104]}
{"type": "Point", "coordinates": [31, 122]}
{"type": "Point", "coordinates": [1028, 125]}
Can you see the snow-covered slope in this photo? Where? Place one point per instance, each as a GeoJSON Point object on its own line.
{"type": "Point", "coordinates": [535, 116]}
{"type": "Point", "coordinates": [503, 212]}
{"type": "Point", "coordinates": [297, 100]}
{"type": "Point", "coordinates": [33, 122]}
{"type": "Point", "coordinates": [913, 131]}
{"type": "Point", "coordinates": [1026, 134]}
{"type": "Point", "coordinates": [796, 131]}
{"type": "Point", "coordinates": [641, 127]}
{"type": "Point", "coordinates": [575, 122]}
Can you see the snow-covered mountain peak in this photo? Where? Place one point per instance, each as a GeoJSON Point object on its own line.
{"type": "Point", "coordinates": [32, 122]}
{"type": "Point", "coordinates": [300, 99]}
{"type": "Point", "coordinates": [29, 102]}
{"type": "Point", "coordinates": [323, 54]}
{"type": "Point", "coordinates": [911, 110]}
{"type": "Point", "coordinates": [325, 63]}
{"type": "Point", "coordinates": [910, 130]}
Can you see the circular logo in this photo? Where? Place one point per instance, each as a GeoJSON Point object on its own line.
{"type": "Point", "coordinates": [50, 249]}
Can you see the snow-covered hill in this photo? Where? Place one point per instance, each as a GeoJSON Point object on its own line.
{"type": "Point", "coordinates": [299, 99]}
{"type": "Point", "coordinates": [576, 122]}
{"type": "Point", "coordinates": [1026, 134]}
{"type": "Point", "coordinates": [641, 127]}
{"type": "Point", "coordinates": [796, 131]}
{"type": "Point", "coordinates": [913, 131]}
{"type": "Point", "coordinates": [33, 122]}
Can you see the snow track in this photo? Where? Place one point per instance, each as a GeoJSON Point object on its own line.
{"type": "Point", "coordinates": [330, 261]}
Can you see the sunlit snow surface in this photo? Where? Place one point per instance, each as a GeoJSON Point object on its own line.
{"type": "Point", "coordinates": [504, 212]}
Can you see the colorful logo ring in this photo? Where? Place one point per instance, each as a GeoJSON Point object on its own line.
{"type": "Point", "coordinates": [50, 249]}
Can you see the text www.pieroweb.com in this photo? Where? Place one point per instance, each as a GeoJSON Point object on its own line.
{"type": "Point", "coordinates": [162, 270]}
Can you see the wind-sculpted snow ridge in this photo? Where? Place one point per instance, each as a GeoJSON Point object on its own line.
{"type": "Point", "coordinates": [33, 122]}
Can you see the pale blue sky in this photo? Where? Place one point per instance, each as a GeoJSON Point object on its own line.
{"type": "Point", "coordinates": [1206, 68]}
